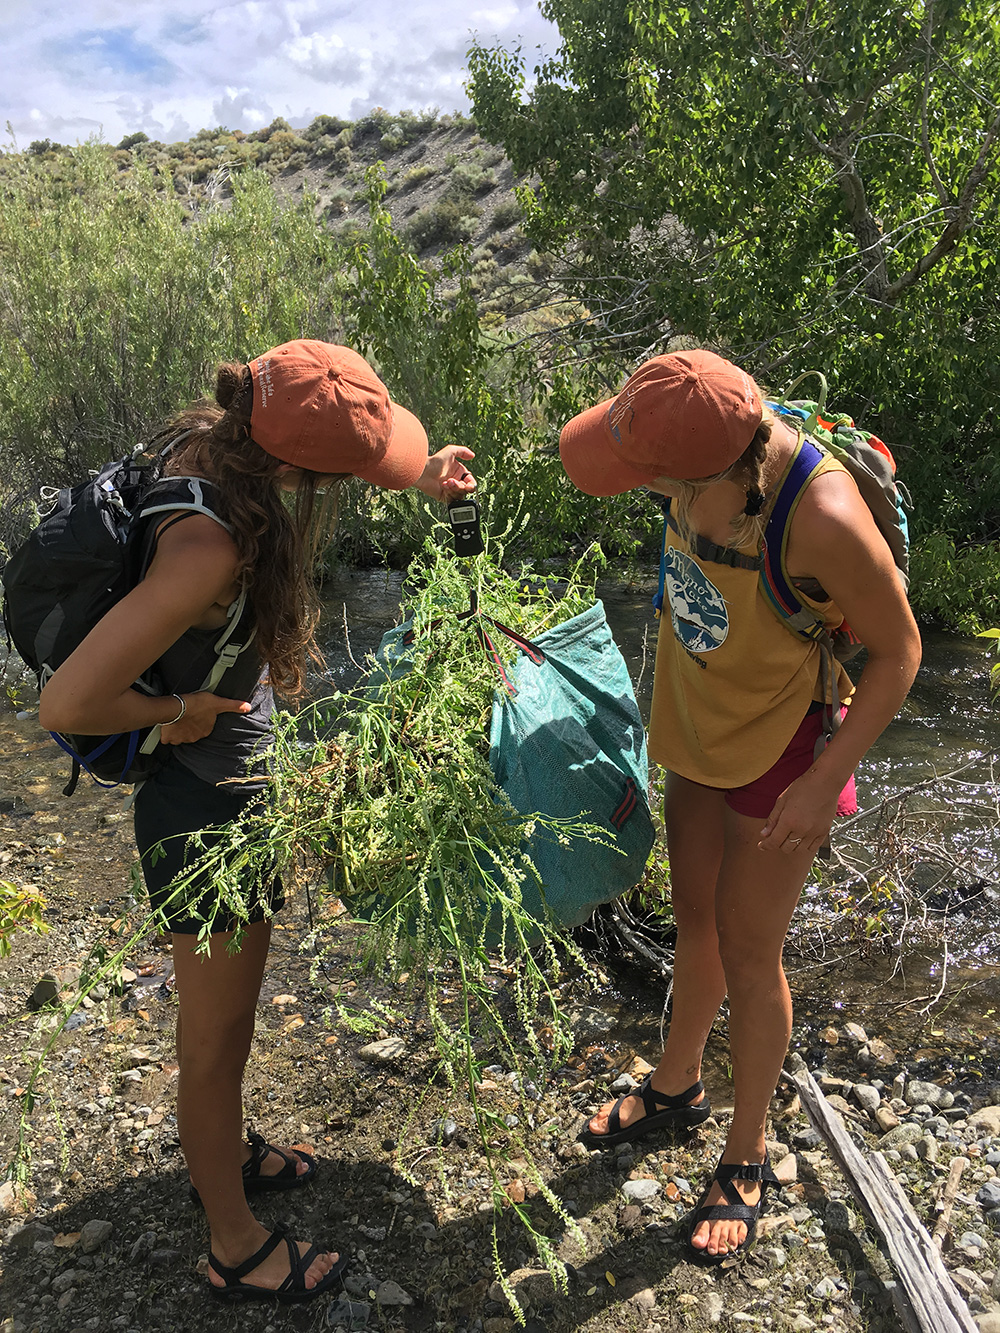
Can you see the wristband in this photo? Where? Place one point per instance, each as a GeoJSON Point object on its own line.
{"type": "Point", "coordinates": [184, 708]}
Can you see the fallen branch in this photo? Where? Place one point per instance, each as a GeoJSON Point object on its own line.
{"type": "Point", "coordinates": [932, 1303]}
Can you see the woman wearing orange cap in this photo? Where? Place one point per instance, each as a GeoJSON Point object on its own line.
{"type": "Point", "coordinates": [737, 719]}
{"type": "Point", "coordinates": [297, 419]}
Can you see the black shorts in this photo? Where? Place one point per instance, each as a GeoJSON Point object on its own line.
{"type": "Point", "coordinates": [170, 805]}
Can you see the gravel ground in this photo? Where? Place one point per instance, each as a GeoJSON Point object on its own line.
{"type": "Point", "coordinates": [105, 1237]}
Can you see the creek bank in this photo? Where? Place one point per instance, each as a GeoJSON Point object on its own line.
{"type": "Point", "coordinates": [110, 1240]}
{"type": "Point", "coordinates": [107, 1238]}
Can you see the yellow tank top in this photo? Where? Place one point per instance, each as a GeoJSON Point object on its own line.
{"type": "Point", "coordinates": [732, 684]}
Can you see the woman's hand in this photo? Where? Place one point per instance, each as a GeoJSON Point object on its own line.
{"type": "Point", "coordinates": [446, 477]}
{"type": "Point", "coordinates": [802, 816]}
{"type": "Point", "coordinates": [199, 717]}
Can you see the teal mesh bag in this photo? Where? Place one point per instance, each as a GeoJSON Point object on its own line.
{"type": "Point", "coordinates": [567, 741]}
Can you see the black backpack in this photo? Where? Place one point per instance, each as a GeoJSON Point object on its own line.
{"type": "Point", "coordinates": [91, 548]}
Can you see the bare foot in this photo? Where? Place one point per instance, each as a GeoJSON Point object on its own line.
{"type": "Point", "coordinates": [632, 1108]}
{"type": "Point", "coordinates": [725, 1234]}
{"type": "Point", "coordinates": [273, 1270]}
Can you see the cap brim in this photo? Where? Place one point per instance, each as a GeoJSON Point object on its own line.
{"type": "Point", "coordinates": [405, 457]}
{"type": "Point", "coordinates": [589, 460]}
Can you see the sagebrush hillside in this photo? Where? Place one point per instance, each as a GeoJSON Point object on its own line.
{"type": "Point", "coordinates": [445, 186]}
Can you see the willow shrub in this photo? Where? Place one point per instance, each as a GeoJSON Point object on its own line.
{"type": "Point", "coordinates": [386, 790]}
{"type": "Point", "coordinates": [116, 302]}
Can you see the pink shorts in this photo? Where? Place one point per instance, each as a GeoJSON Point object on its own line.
{"type": "Point", "coordinates": [757, 798]}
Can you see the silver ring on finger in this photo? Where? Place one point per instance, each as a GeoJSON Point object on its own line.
{"type": "Point", "coordinates": [794, 842]}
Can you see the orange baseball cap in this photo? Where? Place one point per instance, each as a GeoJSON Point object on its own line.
{"type": "Point", "coordinates": [322, 407]}
{"type": "Point", "coordinates": [679, 417]}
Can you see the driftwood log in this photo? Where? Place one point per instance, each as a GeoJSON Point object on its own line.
{"type": "Point", "coordinates": [927, 1301]}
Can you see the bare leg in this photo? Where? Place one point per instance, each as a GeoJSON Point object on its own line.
{"type": "Point", "coordinates": [756, 895]}
{"type": "Point", "coordinates": [695, 834]}
{"type": "Point", "coordinates": [273, 1162]}
{"type": "Point", "coordinates": [218, 999]}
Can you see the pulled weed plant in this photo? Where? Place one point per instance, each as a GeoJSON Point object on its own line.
{"type": "Point", "coordinates": [387, 791]}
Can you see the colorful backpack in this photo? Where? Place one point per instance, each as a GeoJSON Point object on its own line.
{"type": "Point", "coordinates": [870, 463]}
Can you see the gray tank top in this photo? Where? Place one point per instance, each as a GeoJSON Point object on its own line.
{"type": "Point", "coordinates": [238, 744]}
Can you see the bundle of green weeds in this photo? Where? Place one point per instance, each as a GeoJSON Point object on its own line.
{"type": "Point", "coordinates": [388, 788]}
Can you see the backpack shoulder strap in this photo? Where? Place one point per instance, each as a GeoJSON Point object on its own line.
{"type": "Point", "coordinates": [174, 493]}
{"type": "Point", "coordinates": [180, 496]}
{"type": "Point", "coordinates": [779, 591]}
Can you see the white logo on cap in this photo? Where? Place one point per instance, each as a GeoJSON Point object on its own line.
{"type": "Point", "coordinates": [264, 379]}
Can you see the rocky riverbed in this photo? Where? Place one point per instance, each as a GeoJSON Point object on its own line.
{"type": "Point", "coordinates": [104, 1236]}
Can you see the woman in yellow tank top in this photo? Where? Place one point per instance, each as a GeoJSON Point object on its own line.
{"type": "Point", "coordinates": [736, 720]}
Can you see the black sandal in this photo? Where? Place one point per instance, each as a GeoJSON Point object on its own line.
{"type": "Point", "coordinates": [677, 1113]}
{"type": "Point", "coordinates": [287, 1178]}
{"type": "Point", "coordinates": [735, 1208]}
{"type": "Point", "coordinates": [291, 1290]}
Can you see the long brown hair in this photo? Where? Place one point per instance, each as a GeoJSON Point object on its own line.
{"type": "Point", "coordinates": [277, 543]}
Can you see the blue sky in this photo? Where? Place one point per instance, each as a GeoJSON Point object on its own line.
{"type": "Point", "coordinates": [172, 67]}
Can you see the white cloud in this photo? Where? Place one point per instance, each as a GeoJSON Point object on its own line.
{"type": "Point", "coordinates": [493, 18]}
{"type": "Point", "coordinates": [126, 65]}
{"type": "Point", "coordinates": [322, 57]}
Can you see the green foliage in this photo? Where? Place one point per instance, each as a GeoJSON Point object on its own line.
{"type": "Point", "coordinates": [994, 636]}
{"type": "Point", "coordinates": [396, 796]}
{"type": "Point", "coordinates": [281, 145]}
{"type": "Point", "coordinates": [483, 391]}
{"type": "Point", "coordinates": [325, 126]}
{"type": "Point", "coordinates": [467, 180]}
{"type": "Point", "coordinates": [416, 124]}
{"type": "Point", "coordinates": [446, 222]}
{"type": "Point", "coordinates": [959, 587]}
{"type": "Point", "coordinates": [21, 909]}
{"type": "Point", "coordinates": [377, 123]}
{"type": "Point", "coordinates": [115, 305]}
{"type": "Point", "coordinates": [795, 184]}
{"type": "Point", "coordinates": [278, 125]}
{"type": "Point", "coordinates": [505, 215]}
{"type": "Point", "coordinates": [338, 203]}
{"type": "Point", "coordinates": [415, 175]}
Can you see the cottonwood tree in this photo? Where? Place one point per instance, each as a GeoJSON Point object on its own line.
{"type": "Point", "coordinates": [801, 184]}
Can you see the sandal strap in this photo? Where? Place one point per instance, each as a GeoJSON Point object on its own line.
{"type": "Point", "coordinates": [727, 1172]}
{"type": "Point", "coordinates": [233, 1276]}
{"type": "Point", "coordinates": [259, 1150]}
{"type": "Point", "coordinates": [733, 1212]}
{"type": "Point", "coordinates": [614, 1115]}
{"type": "Point", "coordinates": [652, 1099]}
{"type": "Point", "coordinates": [298, 1265]}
